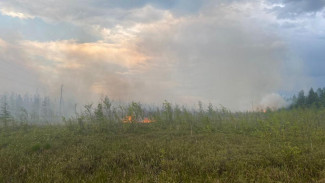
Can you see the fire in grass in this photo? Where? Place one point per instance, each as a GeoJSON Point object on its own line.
{"type": "Point", "coordinates": [130, 119]}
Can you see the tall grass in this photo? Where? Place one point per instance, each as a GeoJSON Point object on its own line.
{"type": "Point", "coordinates": [182, 145]}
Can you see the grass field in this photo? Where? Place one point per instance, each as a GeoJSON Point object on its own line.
{"type": "Point", "coordinates": [282, 146]}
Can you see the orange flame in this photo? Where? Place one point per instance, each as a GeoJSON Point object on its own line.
{"type": "Point", "coordinates": [146, 120]}
{"type": "Point", "coordinates": [128, 119]}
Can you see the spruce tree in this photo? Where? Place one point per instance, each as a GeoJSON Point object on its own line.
{"type": "Point", "coordinates": [301, 100]}
{"type": "Point", "coordinates": [312, 98]}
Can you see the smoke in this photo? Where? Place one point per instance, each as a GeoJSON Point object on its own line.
{"type": "Point", "coordinates": [218, 55]}
{"type": "Point", "coordinates": [16, 74]}
{"type": "Point", "coordinates": [272, 101]}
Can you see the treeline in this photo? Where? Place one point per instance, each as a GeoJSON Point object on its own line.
{"type": "Point", "coordinates": [31, 109]}
{"type": "Point", "coordinates": [312, 99]}
{"type": "Point", "coordinates": [35, 109]}
{"type": "Point", "coordinates": [16, 108]}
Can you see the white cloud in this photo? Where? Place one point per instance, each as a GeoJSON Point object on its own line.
{"type": "Point", "coordinates": [15, 14]}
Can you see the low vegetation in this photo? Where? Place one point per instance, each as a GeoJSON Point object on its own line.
{"type": "Point", "coordinates": [180, 145]}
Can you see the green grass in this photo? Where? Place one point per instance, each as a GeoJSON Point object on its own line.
{"type": "Point", "coordinates": [284, 146]}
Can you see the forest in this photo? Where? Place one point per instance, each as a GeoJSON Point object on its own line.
{"type": "Point", "coordinates": [313, 99]}
{"type": "Point", "coordinates": [43, 109]}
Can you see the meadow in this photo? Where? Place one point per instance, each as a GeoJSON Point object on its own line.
{"type": "Point", "coordinates": [179, 145]}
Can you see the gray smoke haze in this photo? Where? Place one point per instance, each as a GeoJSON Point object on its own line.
{"type": "Point", "coordinates": [218, 54]}
{"type": "Point", "coordinates": [15, 73]}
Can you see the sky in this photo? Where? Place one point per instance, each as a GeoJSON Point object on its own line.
{"type": "Point", "coordinates": [241, 54]}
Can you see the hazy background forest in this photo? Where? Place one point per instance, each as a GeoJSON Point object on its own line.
{"type": "Point", "coordinates": [36, 109]}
